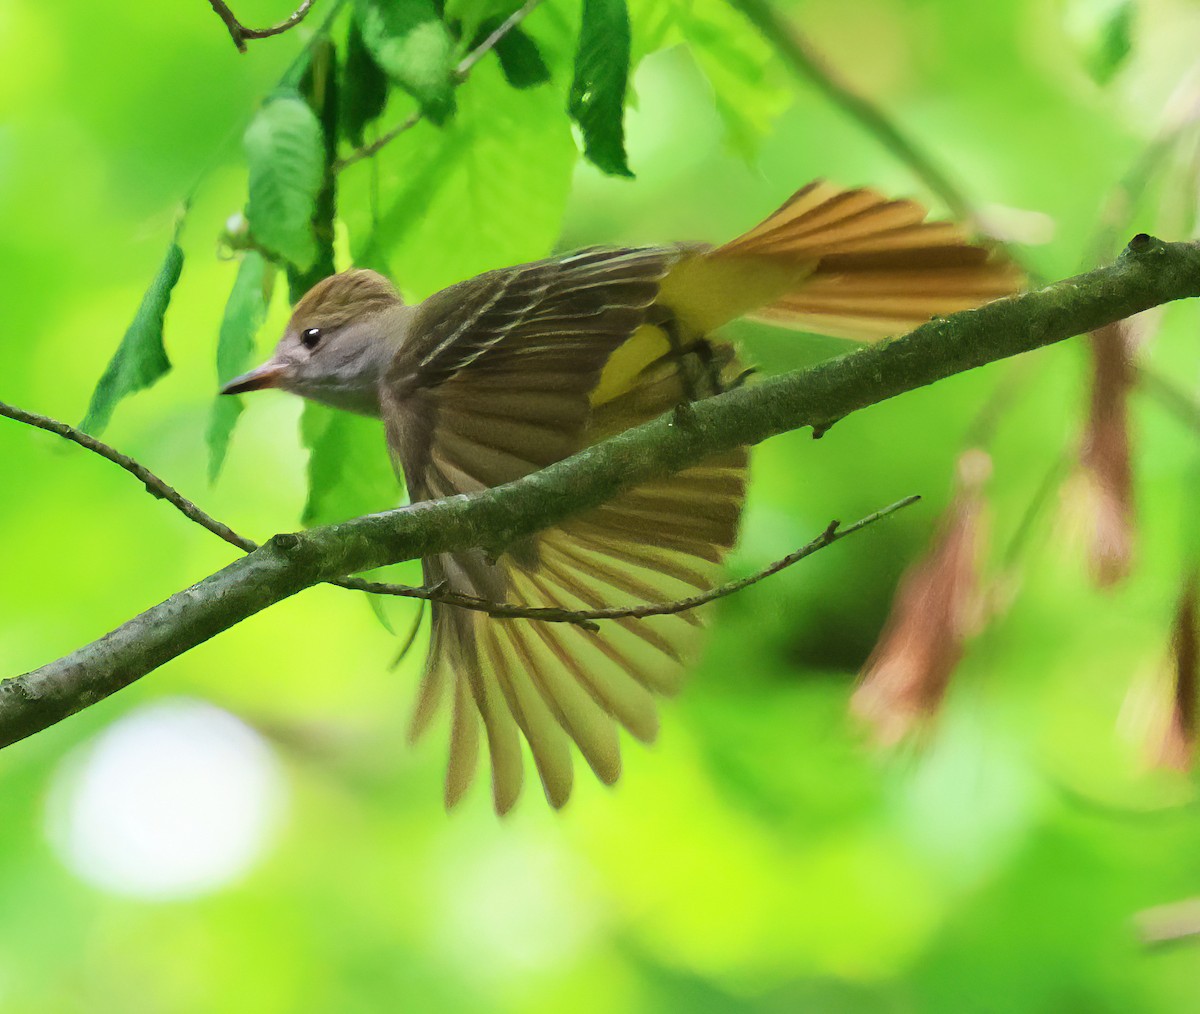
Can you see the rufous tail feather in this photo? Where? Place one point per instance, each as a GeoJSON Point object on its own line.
{"type": "Point", "coordinates": [847, 263]}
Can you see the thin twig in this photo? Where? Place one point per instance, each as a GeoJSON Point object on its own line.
{"type": "Point", "coordinates": [461, 73]}
{"type": "Point", "coordinates": [154, 485]}
{"type": "Point", "coordinates": [367, 150]}
{"type": "Point", "coordinates": [1042, 495]}
{"type": "Point", "coordinates": [468, 62]}
{"type": "Point", "coordinates": [240, 33]}
{"type": "Point", "coordinates": [1181, 117]}
{"type": "Point", "coordinates": [501, 610]}
{"type": "Point", "coordinates": [1121, 200]}
{"type": "Point", "coordinates": [586, 617]}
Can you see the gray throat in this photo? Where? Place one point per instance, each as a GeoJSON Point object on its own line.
{"type": "Point", "coordinates": [354, 364]}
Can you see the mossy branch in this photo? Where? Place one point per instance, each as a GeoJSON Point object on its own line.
{"type": "Point", "coordinates": [1148, 274]}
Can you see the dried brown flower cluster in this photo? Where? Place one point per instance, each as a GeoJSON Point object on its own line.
{"type": "Point", "coordinates": [937, 608]}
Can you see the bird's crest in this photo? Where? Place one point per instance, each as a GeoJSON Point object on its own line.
{"type": "Point", "coordinates": [340, 298]}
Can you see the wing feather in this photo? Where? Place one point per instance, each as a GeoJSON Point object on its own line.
{"type": "Point", "coordinates": [501, 382]}
{"type": "Point", "coordinates": [875, 267]}
{"type": "Point", "coordinates": [545, 735]}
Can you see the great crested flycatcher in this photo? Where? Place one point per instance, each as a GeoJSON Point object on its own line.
{"type": "Point", "coordinates": [503, 374]}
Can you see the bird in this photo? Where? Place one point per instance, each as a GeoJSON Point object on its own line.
{"type": "Point", "coordinates": [505, 373]}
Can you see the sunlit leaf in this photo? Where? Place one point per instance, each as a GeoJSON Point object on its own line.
{"type": "Point", "coordinates": [244, 314]}
{"type": "Point", "coordinates": [499, 173]}
{"type": "Point", "coordinates": [597, 100]}
{"type": "Point", "coordinates": [285, 154]}
{"type": "Point", "coordinates": [140, 359]}
{"type": "Point", "coordinates": [318, 88]}
{"type": "Point", "coordinates": [410, 42]}
{"type": "Point", "coordinates": [747, 91]}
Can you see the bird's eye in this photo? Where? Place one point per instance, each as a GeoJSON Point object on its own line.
{"type": "Point", "coordinates": [310, 338]}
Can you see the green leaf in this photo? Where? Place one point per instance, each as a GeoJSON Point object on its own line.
{"type": "Point", "coordinates": [364, 87]}
{"type": "Point", "coordinates": [244, 314]}
{"type": "Point", "coordinates": [652, 25]}
{"type": "Point", "coordinates": [1103, 31]}
{"type": "Point", "coordinates": [597, 100]}
{"type": "Point", "coordinates": [1114, 44]}
{"type": "Point", "coordinates": [140, 359]}
{"type": "Point", "coordinates": [748, 90]}
{"type": "Point", "coordinates": [496, 179]}
{"type": "Point", "coordinates": [349, 474]}
{"type": "Point", "coordinates": [519, 57]}
{"type": "Point", "coordinates": [285, 152]}
{"type": "Point", "coordinates": [413, 47]}
{"type": "Point", "coordinates": [379, 608]}
{"type": "Point", "coordinates": [349, 467]}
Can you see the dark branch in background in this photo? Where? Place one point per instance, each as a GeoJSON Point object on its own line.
{"type": "Point", "coordinates": [799, 53]}
{"type": "Point", "coordinates": [1181, 118]}
{"type": "Point", "coordinates": [806, 61]}
{"type": "Point", "coordinates": [1148, 274]}
{"type": "Point", "coordinates": [1121, 200]}
{"type": "Point", "coordinates": [240, 33]}
{"type": "Point", "coordinates": [1042, 497]}
{"type": "Point", "coordinates": [501, 610]}
{"type": "Point", "coordinates": [1171, 396]}
{"type": "Point", "coordinates": [461, 72]}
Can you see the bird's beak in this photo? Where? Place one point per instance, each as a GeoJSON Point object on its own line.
{"type": "Point", "coordinates": [270, 374]}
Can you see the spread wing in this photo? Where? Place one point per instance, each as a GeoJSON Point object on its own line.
{"type": "Point", "coordinates": [493, 382]}
{"type": "Point", "coordinates": [503, 375]}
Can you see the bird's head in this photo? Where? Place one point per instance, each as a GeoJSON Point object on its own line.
{"type": "Point", "coordinates": [340, 339]}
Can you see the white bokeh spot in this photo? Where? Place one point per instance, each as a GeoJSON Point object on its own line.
{"type": "Point", "coordinates": [512, 903]}
{"type": "Point", "coordinates": [175, 800]}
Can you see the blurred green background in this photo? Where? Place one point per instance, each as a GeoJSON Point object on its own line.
{"type": "Point", "coordinates": [247, 829]}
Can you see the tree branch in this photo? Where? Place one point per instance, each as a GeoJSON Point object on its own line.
{"type": "Point", "coordinates": [240, 33]}
{"type": "Point", "coordinates": [501, 610]}
{"type": "Point", "coordinates": [1149, 273]}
